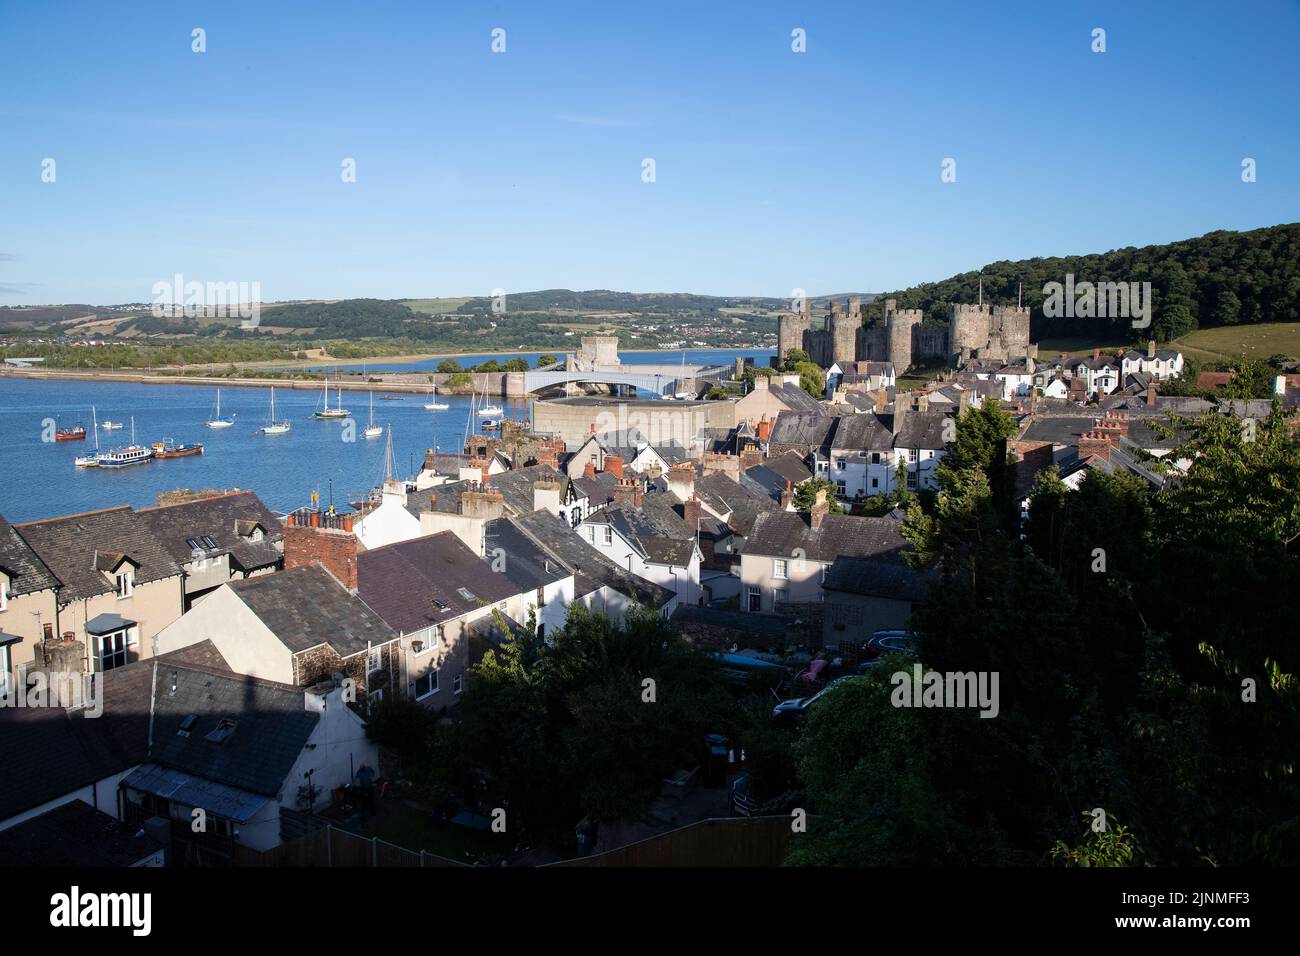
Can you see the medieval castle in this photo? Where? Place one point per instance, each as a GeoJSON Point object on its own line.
{"type": "Point", "coordinates": [992, 333]}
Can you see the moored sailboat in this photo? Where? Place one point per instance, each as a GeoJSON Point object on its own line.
{"type": "Point", "coordinates": [92, 460]}
{"type": "Point", "coordinates": [217, 421]}
{"type": "Point", "coordinates": [272, 427]}
{"type": "Point", "coordinates": [373, 430]}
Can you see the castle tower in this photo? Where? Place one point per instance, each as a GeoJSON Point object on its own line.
{"type": "Point", "coordinates": [1011, 323]}
{"type": "Point", "coordinates": [790, 329]}
{"type": "Point", "coordinates": [899, 324]}
{"type": "Point", "coordinates": [968, 328]}
{"type": "Point", "coordinates": [844, 333]}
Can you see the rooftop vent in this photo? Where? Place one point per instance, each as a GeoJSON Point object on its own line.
{"type": "Point", "coordinates": [225, 727]}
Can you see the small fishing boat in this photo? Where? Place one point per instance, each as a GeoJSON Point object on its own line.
{"type": "Point", "coordinates": [76, 432]}
{"type": "Point", "coordinates": [92, 460]}
{"type": "Point", "coordinates": [217, 421]}
{"type": "Point", "coordinates": [373, 430]}
{"type": "Point", "coordinates": [491, 425]}
{"type": "Point", "coordinates": [168, 448]}
{"type": "Point", "coordinates": [109, 426]}
{"type": "Point", "coordinates": [131, 454]}
{"type": "Point", "coordinates": [272, 427]}
{"type": "Point", "coordinates": [326, 412]}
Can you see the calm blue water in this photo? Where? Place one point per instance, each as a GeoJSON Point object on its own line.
{"type": "Point", "coordinates": [39, 479]}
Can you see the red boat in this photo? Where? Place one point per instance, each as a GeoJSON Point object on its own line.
{"type": "Point", "coordinates": [75, 433]}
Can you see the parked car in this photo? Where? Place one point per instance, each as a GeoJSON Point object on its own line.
{"type": "Point", "coordinates": [798, 706]}
{"type": "Point", "coordinates": [743, 803]}
{"type": "Point", "coordinates": [885, 642]}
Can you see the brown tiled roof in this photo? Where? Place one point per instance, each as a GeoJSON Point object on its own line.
{"type": "Point", "coordinates": [402, 581]}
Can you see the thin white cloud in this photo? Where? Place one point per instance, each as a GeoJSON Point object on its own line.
{"type": "Point", "coordinates": [583, 119]}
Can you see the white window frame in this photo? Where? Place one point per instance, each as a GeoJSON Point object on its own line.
{"type": "Point", "coordinates": [374, 659]}
{"type": "Point", "coordinates": [128, 642]}
{"type": "Point", "coordinates": [435, 687]}
{"type": "Point", "coordinates": [124, 583]}
{"type": "Point", "coordinates": [458, 684]}
{"type": "Point", "coordinates": [609, 535]}
{"type": "Point", "coordinates": [780, 569]}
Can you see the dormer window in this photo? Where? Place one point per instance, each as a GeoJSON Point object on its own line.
{"type": "Point", "coordinates": [124, 582]}
{"type": "Point", "coordinates": [4, 592]}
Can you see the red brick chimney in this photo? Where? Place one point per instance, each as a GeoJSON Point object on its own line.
{"type": "Point", "coordinates": [787, 498]}
{"type": "Point", "coordinates": [546, 456]}
{"type": "Point", "coordinates": [614, 465]}
{"type": "Point", "coordinates": [1094, 443]}
{"type": "Point", "coordinates": [333, 548]}
{"type": "Point", "coordinates": [628, 491]}
{"type": "Point", "coordinates": [1151, 394]}
{"type": "Point", "coordinates": [691, 511]}
{"type": "Point", "coordinates": [764, 429]}
{"type": "Point", "coordinates": [590, 470]}
{"type": "Point", "coordinates": [819, 510]}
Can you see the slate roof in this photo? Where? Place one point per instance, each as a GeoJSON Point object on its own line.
{"type": "Point", "coordinates": [401, 582]}
{"type": "Point", "coordinates": [307, 607]}
{"type": "Point", "coordinates": [49, 751]}
{"type": "Point", "coordinates": [75, 834]}
{"type": "Point", "coordinates": [527, 564]}
{"type": "Point", "coordinates": [27, 573]}
{"type": "Point", "coordinates": [780, 533]}
{"type": "Point", "coordinates": [806, 429]}
{"type": "Point", "coordinates": [598, 490]}
{"type": "Point", "coordinates": [920, 430]}
{"type": "Point", "coordinates": [862, 433]}
{"type": "Point", "coordinates": [656, 529]}
{"type": "Point", "coordinates": [1066, 429]}
{"type": "Point", "coordinates": [271, 727]}
{"type": "Point", "coordinates": [591, 569]}
{"type": "Point", "coordinates": [874, 577]}
{"type": "Point", "coordinates": [67, 545]}
{"type": "Point", "coordinates": [516, 486]}
{"type": "Point", "coordinates": [220, 518]}
{"type": "Point", "coordinates": [794, 397]}
{"type": "Point", "coordinates": [1118, 460]}
{"type": "Point", "coordinates": [445, 498]}
{"type": "Point", "coordinates": [789, 466]}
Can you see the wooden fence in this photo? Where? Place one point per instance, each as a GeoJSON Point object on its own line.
{"type": "Point", "coordinates": [330, 846]}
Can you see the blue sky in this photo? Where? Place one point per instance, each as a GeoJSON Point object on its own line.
{"type": "Point", "coordinates": [522, 170]}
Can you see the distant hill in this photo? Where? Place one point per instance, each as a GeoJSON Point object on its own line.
{"type": "Point", "coordinates": [1220, 278]}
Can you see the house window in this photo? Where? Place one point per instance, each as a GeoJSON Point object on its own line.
{"type": "Point", "coordinates": [875, 457]}
{"type": "Point", "coordinates": [780, 596]}
{"type": "Point", "coordinates": [124, 584]}
{"type": "Point", "coordinates": [609, 535]}
{"type": "Point", "coordinates": [755, 598]}
{"type": "Point", "coordinates": [114, 649]}
{"type": "Point", "coordinates": [374, 659]}
{"type": "Point", "coordinates": [780, 568]}
{"type": "Point", "coordinates": [5, 663]}
{"type": "Point", "coordinates": [426, 685]}
{"type": "Point", "coordinates": [458, 683]}
{"type": "Point", "coordinates": [825, 569]}
{"type": "Point", "coordinates": [911, 480]}
{"type": "Point", "coordinates": [875, 482]}
{"type": "Point", "coordinates": [841, 488]}
{"type": "Point", "coordinates": [839, 463]}
{"type": "Point", "coordinates": [4, 595]}
{"type": "Point", "coordinates": [911, 454]}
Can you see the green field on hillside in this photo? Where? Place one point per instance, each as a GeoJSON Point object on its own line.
{"type": "Point", "coordinates": [435, 306]}
{"type": "Point", "coordinates": [1253, 341]}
